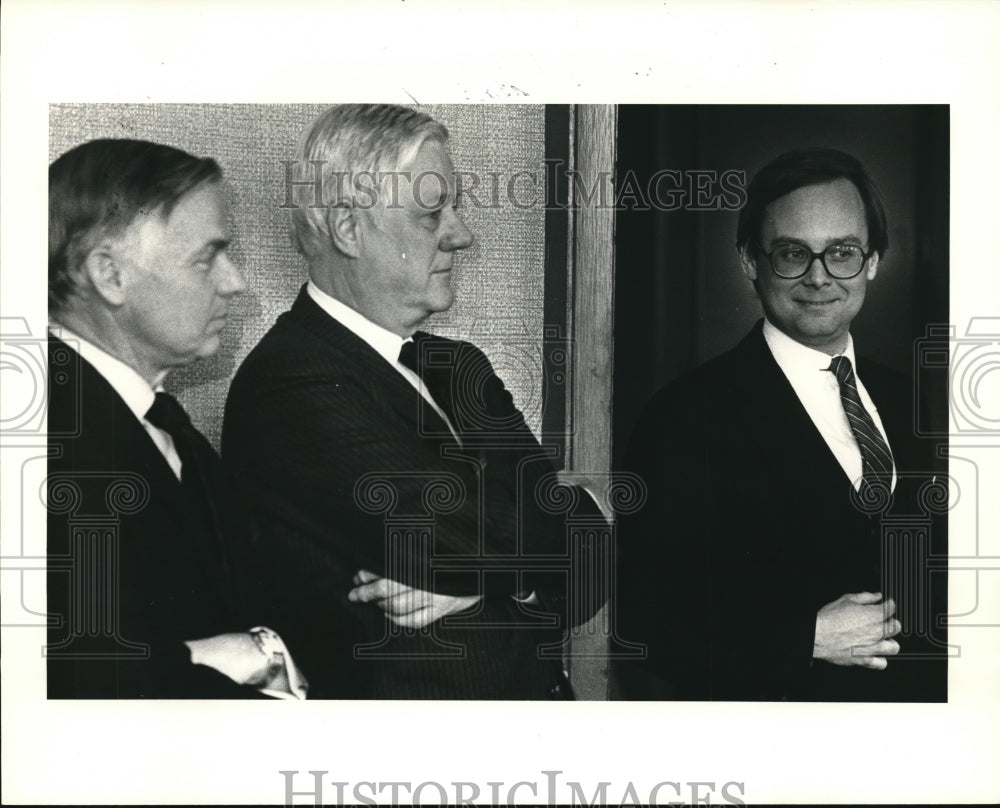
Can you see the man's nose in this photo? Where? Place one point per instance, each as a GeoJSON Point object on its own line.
{"type": "Point", "coordinates": [816, 274]}
{"type": "Point", "coordinates": [231, 280]}
{"type": "Point", "coordinates": [456, 235]}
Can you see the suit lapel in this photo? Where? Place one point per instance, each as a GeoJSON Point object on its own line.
{"type": "Point", "coordinates": [914, 460]}
{"type": "Point", "coordinates": [776, 419]}
{"type": "Point", "coordinates": [106, 414]}
{"type": "Point", "coordinates": [383, 381]}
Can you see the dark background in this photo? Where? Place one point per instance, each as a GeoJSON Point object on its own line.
{"type": "Point", "coordinates": [680, 296]}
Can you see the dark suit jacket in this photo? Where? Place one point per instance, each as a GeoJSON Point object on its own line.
{"type": "Point", "coordinates": [751, 527]}
{"type": "Point", "coordinates": [134, 569]}
{"type": "Point", "coordinates": [315, 417]}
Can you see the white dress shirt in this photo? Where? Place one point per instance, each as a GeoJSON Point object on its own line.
{"type": "Point", "coordinates": [127, 383]}
{"type": "Point", "coordinates": [807, 370]}
{"type": "Point", "coordinates": [385, 343]}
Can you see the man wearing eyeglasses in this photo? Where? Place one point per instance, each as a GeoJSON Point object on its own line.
{"type": "Point", "coordinates": [772, 468]}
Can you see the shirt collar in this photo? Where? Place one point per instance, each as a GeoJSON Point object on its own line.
{"type": "Point", "coordinates": [133, 389]}
{"type": "Point", "coordinates": [795, 358]}
{"type": "Point", "coordinates": [386, 343]}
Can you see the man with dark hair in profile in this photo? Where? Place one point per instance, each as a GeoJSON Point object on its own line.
{"type": "Point", "coordinates": [144, 533]}
{"type": "Point", "coordinates": [771, 470]}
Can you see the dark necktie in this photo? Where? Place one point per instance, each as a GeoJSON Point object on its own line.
{"type": "Point", "coordinates": [200, 484]}
{"type": "Point", "coordinates": [876, 458]}
{"type": "Point", "coordinates": [197, 457]}
{"type": "Point", "coordinates": [437, 380]}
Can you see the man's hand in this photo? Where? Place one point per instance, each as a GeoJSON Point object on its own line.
{"type": "Point", "coordinates": [404, 605]}
{"type": "Point", "coordinates": [856, 629]}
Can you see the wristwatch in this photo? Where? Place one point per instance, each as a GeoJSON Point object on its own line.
{"type": "Point", "coordinates": [270, 645]}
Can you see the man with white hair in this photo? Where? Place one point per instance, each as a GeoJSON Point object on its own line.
{"type": "Point", "coordinates": [346, 421]}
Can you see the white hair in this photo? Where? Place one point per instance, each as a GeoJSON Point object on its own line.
{"type": "Point", "coordinates": [346, 142]}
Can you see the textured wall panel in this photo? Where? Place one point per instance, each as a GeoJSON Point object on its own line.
{"type": "Point", "coordinates": [499, 280]}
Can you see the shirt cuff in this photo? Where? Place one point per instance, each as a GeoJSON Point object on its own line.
{"type": "Point", "coordinates": [270, 643]}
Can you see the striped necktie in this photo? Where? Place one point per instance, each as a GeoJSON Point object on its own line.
{"type": "Point", "coordinates": [876, 458]}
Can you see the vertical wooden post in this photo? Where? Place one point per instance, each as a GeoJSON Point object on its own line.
{"type": "Point", "coordinates": [592, 331]}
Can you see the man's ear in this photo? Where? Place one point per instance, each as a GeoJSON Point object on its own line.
{"type": "Point", "coordinates": [872, 267]}
{"type": "Point", "coordinates": [105, 274]}
{"type": "Point", "coordinates": [748, 263]}
{"type": "Point", "coordinates": [344, 223]}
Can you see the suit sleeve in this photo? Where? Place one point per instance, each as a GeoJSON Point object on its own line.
{"type": "Point", "coordinates": [518, 470]}
{"type": "Point", "coordinates": [126, 585]}
{"type": "Point", "coordinates": [718, 618]}
{"type": "Point", "coordinates": [302, 442]}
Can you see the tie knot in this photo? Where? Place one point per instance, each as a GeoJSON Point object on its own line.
{"type": "Point", "coordinates": [840, 366]}
{"type": "Point", "coordinates": [408, 356]}
{"type": "Point", "coordinates": [167, 414]}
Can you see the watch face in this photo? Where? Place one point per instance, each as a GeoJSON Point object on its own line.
{"type": "Point", "coordinates": [269, 645]}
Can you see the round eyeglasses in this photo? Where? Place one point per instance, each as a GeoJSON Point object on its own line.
{"type": "Point", "coordinates": [841, 261]}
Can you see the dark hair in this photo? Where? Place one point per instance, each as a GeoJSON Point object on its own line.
{"type": "Point", "coordinates": [797, 169]}
{"type": "Point", "coordinates": [98, 188]}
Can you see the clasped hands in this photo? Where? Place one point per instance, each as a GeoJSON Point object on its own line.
{"type": "Point", "coordinates": [857, 629]}
{"type": "Point", "coordinates": [404, 605]}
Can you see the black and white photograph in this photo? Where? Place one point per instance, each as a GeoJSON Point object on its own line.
{"type": "Point", "coordinates": [615, 432]}
{"type": "Point", "coordinates": [775, 243]}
